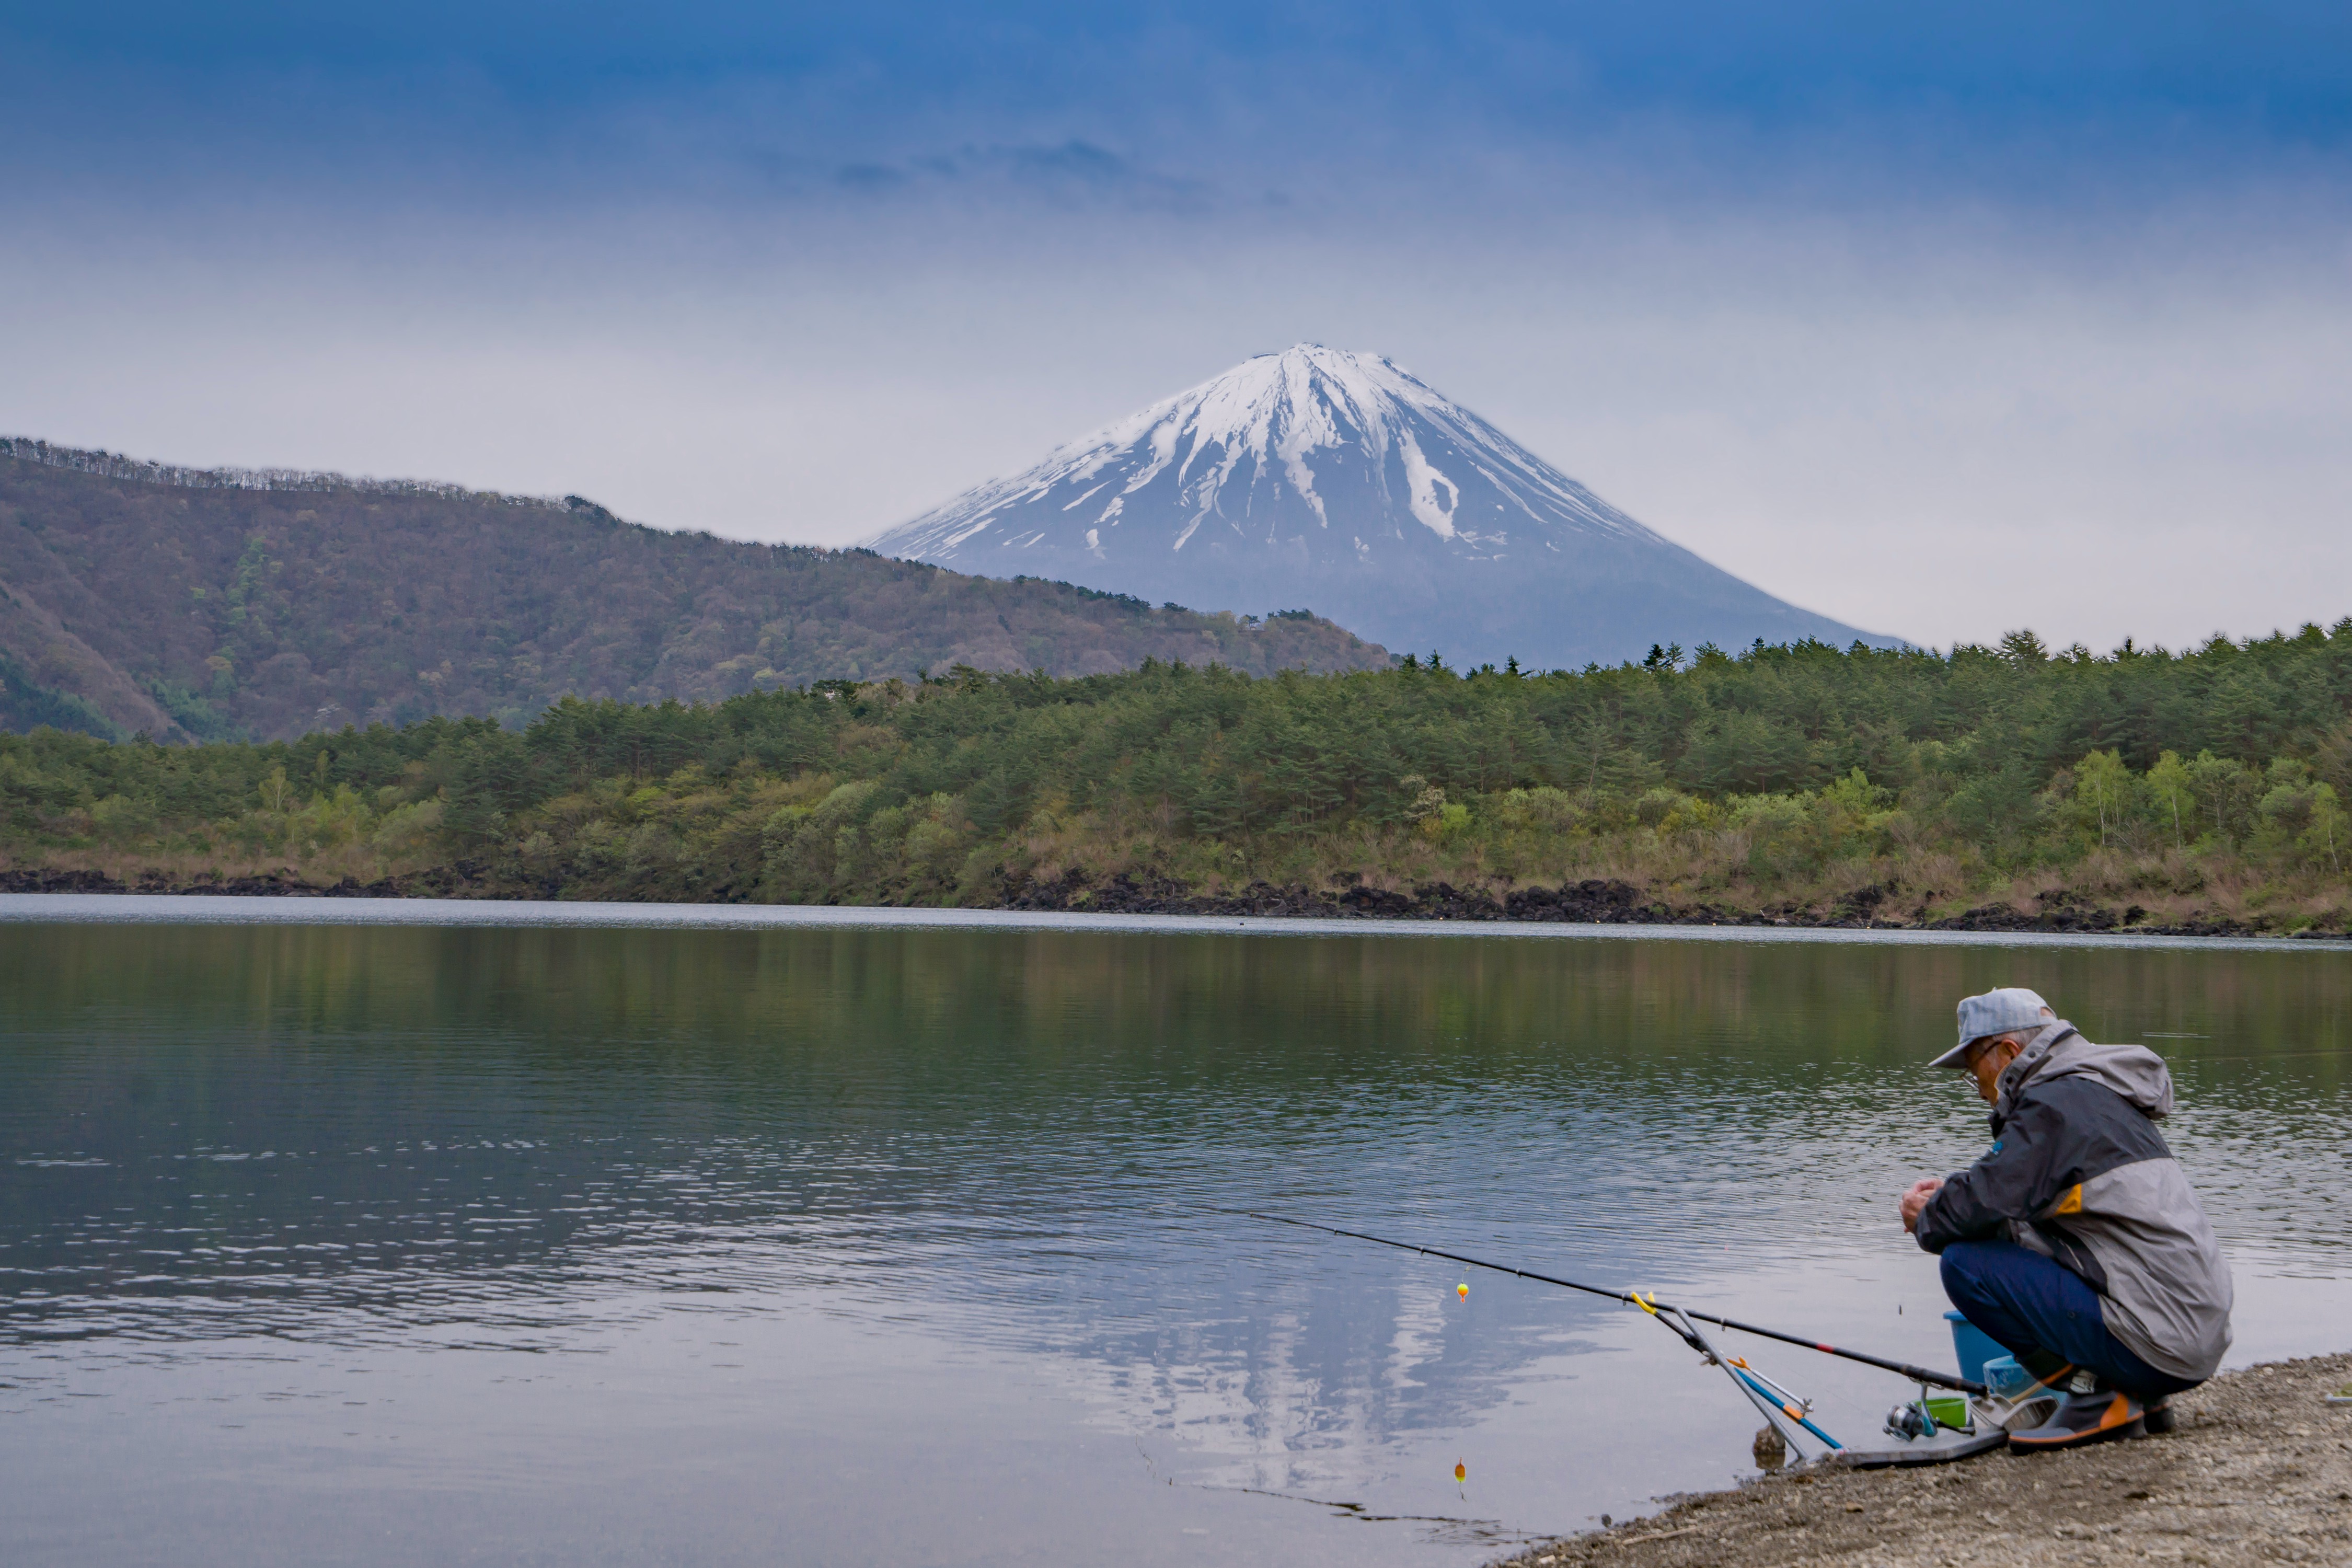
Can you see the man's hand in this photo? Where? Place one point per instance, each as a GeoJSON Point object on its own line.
{"type": "Point", "coordinates": [1915, 1198]}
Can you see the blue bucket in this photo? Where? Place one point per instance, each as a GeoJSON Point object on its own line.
{"type": "Point", "coordinates": [1973, 1346]}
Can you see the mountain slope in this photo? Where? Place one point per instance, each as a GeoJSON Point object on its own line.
{"type": "Point", "coordinates": [1336, 480]}
{"type": "Point", "coordinates": [191, 603]}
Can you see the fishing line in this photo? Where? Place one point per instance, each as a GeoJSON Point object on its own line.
{"type": "Point", "coordinates": [1656, 1308]}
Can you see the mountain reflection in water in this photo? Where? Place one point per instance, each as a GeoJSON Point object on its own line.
{"type": "Point", "coordinates": [884, 1205]}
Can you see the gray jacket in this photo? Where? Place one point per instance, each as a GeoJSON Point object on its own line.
{"type": "Point", "coordinates": [2078, 1172]}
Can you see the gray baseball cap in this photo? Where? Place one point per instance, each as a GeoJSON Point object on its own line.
{"type": "Point", "coordinates": [1995, 1013]}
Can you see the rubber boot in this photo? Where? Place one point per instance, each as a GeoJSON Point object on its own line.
{"type": "Point", "coordinates": [2161, 1416]}
{"type": "Point", "coordinates": [2093, 1416]}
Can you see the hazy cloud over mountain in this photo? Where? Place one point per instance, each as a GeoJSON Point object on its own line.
{"type": "Point", "coordinates": [1936, 320]}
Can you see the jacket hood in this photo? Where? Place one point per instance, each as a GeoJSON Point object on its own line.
{"type": "Point", "coordinates": [2135, 1072]}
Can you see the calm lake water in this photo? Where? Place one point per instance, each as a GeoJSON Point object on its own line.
{"type": "Point", "coordinates": [332, 1243]}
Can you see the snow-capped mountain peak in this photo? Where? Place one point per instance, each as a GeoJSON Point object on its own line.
{"type": "Point", "coordinates": [1340, 482]}
{"type": "Point", "coordinates": [1244, 450]}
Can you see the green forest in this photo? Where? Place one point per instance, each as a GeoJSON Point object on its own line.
{"type": "Point", "coordinates": [2198, 790]}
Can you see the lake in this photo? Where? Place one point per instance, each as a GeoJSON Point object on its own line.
{"type": "Point", "coordinates": [373, 1234]}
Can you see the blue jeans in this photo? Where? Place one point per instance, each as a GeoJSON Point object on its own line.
{"type": "Point", "coordinates": [2028, 1302]}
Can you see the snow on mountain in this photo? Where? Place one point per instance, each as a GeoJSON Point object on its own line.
{"type": "Point", "coordinates": [1318, 479]}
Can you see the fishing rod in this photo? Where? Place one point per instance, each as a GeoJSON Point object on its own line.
{"type": "Point", "coordinates": [1651, 1305]}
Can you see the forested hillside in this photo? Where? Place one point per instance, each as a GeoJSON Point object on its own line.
{"type": "Point", "coordinates": [193, 605]}
{"type": "Point", "coordinates": [2005, 785]}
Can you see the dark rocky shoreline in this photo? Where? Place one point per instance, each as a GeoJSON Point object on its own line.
{"type": "Point", "coordinates": [1589, 902]}
{"type": "Point", "coordinates": [461, 881]}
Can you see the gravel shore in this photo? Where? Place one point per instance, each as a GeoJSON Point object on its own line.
{"type": "Point", "coordinates": [2259, 1470]}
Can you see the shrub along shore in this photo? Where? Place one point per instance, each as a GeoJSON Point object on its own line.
{"type": "Point", "coordinates": [2007, 787]}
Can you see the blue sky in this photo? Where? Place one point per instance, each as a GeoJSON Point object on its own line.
{"type": "Point", "coordinates": [1941, 319]}
{"type": "Point", "coordinates": [1536, 67]}
{"type": "Point", "coordinates": [2018, 99]}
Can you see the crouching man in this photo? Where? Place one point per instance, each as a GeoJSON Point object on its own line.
{"type": "Point", "coordinates": [2076, 1242]}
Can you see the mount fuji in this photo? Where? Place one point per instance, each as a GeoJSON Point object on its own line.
{"type": "Point", "coordinates": [1341, 483]}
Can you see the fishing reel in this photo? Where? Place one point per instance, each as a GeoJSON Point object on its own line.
{"type": "Point", "coordinates": [1910, 1422]}
{"type": "Point", "coordinates": [1930, 1413]}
